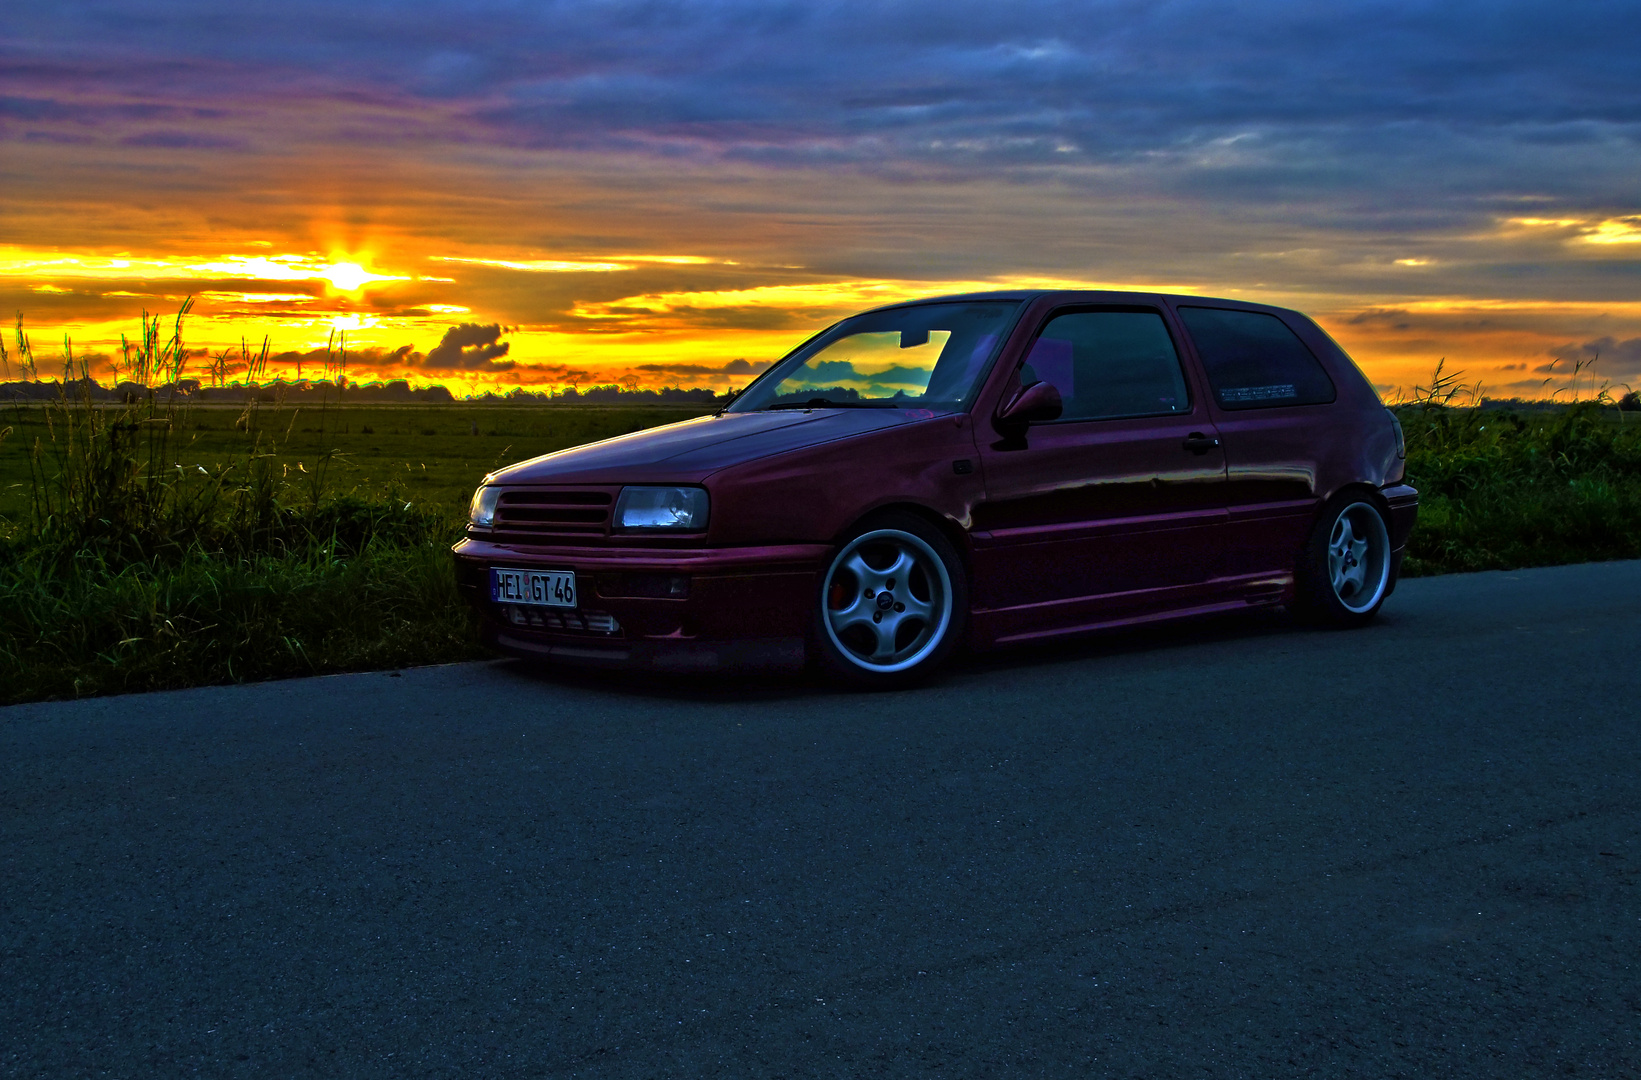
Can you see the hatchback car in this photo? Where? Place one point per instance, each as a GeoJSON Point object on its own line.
{"type": "Point", "coordinates": [962, 472]}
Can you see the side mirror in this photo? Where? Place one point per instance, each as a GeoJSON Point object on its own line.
{"type": "Point", "coordinates": [1032, 405]}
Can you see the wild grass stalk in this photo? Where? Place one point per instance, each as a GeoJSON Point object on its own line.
{"type": "Point", "coordinates": [143, 564]}
{"type": "Point", "coordinates": [1503, 488]}
{"type": "Point", "coordinates": [110, 628]}
{"type": "Point", "coordinates": [139, 570]}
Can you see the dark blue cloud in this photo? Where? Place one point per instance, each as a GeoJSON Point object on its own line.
{"type": "Point", "coordinates": [845, 371]}
{"type": "Point", "coordinates": [832, 369]}
{"type": "Point", "coordinates": [963, 82]}
{"type": "Point", "coordinates": [182, 140]}
{"type": "Point", "coordinates": [1263, 126]}
{"type": "Point", "coordinates": [1607, 356]}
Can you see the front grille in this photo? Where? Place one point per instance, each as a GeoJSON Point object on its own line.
{"type": "Point", "coordinates": [575, 622]}
{"type": "Point", "coordinates": [535, 515]}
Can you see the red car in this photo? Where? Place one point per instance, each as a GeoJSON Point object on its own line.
{"type": "Point", "coordinates": [963, 472]}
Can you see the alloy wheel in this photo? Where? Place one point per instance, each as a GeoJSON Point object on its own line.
{"type": "Point", "coordinates": [1359, 557]}
{"type": "Point", "coordinates": [888, 601]}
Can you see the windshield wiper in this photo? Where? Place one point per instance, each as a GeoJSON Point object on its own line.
{"type": "Point", "coordinates": [828, 403]}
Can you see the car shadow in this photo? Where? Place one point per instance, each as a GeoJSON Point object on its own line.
{"type": "Point", "coordinates": [755, 685]}
{"type": "Point", "coordinates": [752, 685]}
{"type": "Point", "coordinates": [1146, 638]}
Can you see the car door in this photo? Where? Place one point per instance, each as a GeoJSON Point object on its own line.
{"type": "Point", "coordinates": [1270, 398]}
{"type": "Point", "coordinates": [1117, 505]}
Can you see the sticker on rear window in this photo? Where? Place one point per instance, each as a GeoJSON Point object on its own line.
{"type": "Point", "coordinates": [1278, 392]}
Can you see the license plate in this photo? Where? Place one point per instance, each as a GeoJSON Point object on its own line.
{"type": "Point", "coordinates": [544, 588]}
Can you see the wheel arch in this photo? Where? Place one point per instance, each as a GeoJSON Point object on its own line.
{"type": "Point", "coordinates": [1356, 489]}
{"type": "Point", "coordinates": [1360, 489]}
{"type": "Point", "coordinates": [954, 533]}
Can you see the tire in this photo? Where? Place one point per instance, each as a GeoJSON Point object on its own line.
{"type": "Point", "coordinates": [1345, 571]}
{"type": "Point", "coordinates": [892, 606]}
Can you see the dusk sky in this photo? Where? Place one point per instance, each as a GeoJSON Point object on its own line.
{"type": "Point", "coordinates": [677, 193]}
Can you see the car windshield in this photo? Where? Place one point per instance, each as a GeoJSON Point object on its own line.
{"type": "Point", "coordinates": [924, 356]}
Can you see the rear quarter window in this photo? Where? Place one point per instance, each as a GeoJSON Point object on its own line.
{"type": "Point", "coordinates": [1253, 361]}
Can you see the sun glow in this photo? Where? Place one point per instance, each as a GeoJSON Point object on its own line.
{"type": "Point", "coordinates": [1625, 229]}
{"type": "Point", "coordinates": [344, 275]}
{"type": "Point", "coordinates": [1545, 223]}
{"type": "Point", "coordinates": [826, 296]}
{"type": "Point", "coordinates": [351, 277]}
{"type": "Point", "coordinates": [705, 325]}
{"type": "Point", "coordinates": [1618, 230]}
{"type": "Point", "coordinates": [603, 265]}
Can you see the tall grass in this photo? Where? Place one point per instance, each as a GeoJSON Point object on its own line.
{"type": "Point", "coordinates": [135, 571]}
{"type": "Point", "coordinates": [1503, 488]}
{"type": "Point", "coordinates": [108, 628]}
{"type": "Point", "coordinates": [110, 480]}
{"type": "Point", "coordinates": [142, 566]}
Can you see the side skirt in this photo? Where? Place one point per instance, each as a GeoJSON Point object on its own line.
{"type": "Point", "coordinates": [1032, 622]}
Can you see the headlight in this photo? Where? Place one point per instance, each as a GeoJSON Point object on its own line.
{"type": "Point", "coordinates": [681, 508]}
{"type": "Point", "coordinates": [482, 511]}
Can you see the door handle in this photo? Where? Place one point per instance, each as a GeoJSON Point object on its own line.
{"type": "Point", "coordinates": [1198, 443]}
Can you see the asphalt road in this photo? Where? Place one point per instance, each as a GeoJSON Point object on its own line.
{"type": "Point", "coordinates": [1226, 849]}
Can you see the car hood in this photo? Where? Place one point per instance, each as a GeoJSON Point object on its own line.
{"type": "Point", "coordinates": [694, 449]}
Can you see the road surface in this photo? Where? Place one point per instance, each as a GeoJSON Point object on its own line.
{"type": "Point", "coordinates": [1225, 849]}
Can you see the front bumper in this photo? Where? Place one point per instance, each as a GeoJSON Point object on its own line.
{"type": "Point", "coordinates": [743, 607]}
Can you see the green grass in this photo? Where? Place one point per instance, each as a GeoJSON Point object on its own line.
{"type": "Point", "coordinates": [1501, 490]}
{"type": "Point", "coordinates": [426, 454]}
{"type": "Point", "coordinates": [204, 618]}
{"type": "Point", "coordinates": [161, 545]}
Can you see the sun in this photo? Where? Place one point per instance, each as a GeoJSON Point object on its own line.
{"type": "Point", "coordinates": [351, 277]}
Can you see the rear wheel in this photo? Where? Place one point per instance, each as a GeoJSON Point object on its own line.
{"type": "Point", "coordinates": [1344, 575]}
{"type": "Point", "coordinates": [893, 604]}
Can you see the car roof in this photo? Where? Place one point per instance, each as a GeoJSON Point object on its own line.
{"type": "Point", "coordinates": [1075, 295]}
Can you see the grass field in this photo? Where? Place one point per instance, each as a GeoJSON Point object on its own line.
{"type": "Point", "coordinates": [144, 547]}
{"type": "Point", "coordinates": [425, 454]}
{"type": "Point", "coordinates": [1500, 490]}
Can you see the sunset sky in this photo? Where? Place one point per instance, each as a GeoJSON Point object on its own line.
{"type": "Point", "coordinates": [677, 193]}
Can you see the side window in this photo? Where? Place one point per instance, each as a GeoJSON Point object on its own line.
{"type": "Point", "coordinates": [1253, 361]}
{"type": "Point", "coordinates": [1108, 364]}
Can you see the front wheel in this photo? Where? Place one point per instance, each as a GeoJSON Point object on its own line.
{"type": "Point", "coordinates": [893, 604]}
{"type": "Point", "coordinates": [1344, 574]}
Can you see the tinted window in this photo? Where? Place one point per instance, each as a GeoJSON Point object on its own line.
{"type": "Point", "coordinates": [1109, 363]}
{"type": "Point", "coordinates": [1253, 361]}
